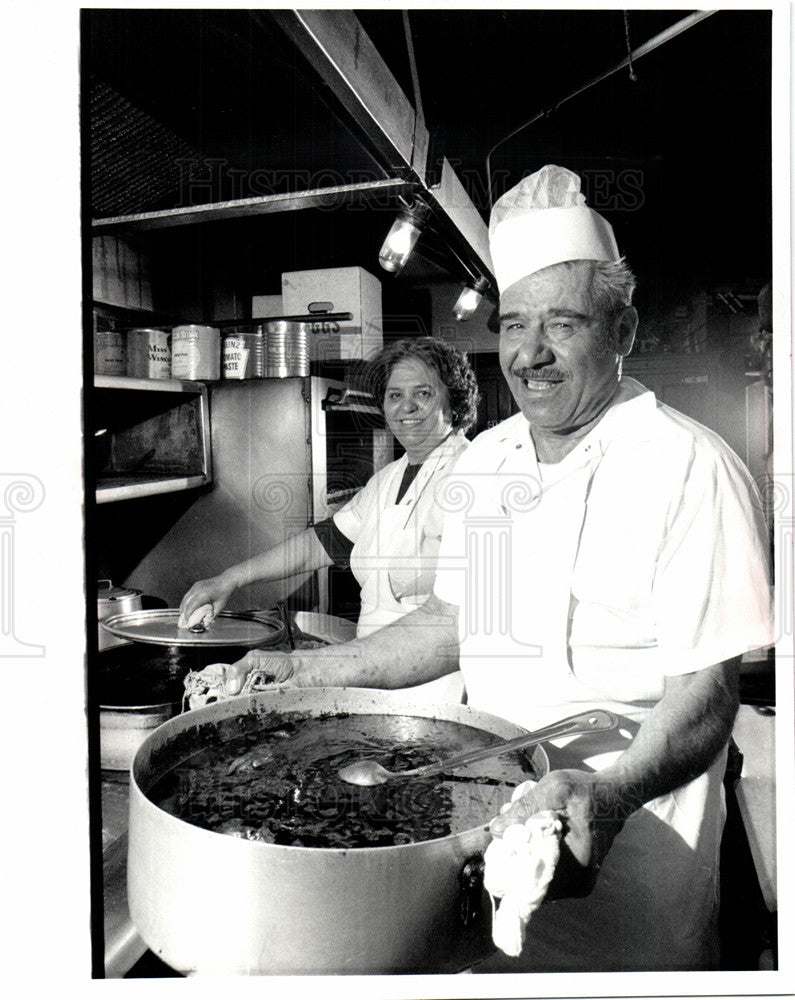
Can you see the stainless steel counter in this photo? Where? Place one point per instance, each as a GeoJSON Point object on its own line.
{"type": "Point", "coordinates": [123, 944]}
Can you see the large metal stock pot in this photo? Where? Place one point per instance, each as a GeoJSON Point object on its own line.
{"type": "Point", "coordinates": [113, 601]}
{"type": "Point", "coordinates": [209, 903]}
{"type": "Point", "coordinates": [140, 678]}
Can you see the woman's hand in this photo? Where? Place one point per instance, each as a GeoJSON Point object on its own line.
{"type": "Point", "coordinates": [592, 809]}
{"type": "Point", "coordinates": [205, 600]}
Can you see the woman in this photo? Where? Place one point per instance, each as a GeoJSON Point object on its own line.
{"type": "Point", "coordinates": [389, 533]}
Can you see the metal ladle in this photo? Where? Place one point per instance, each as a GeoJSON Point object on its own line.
{"type": "Point", "coordinates": [370, 772]}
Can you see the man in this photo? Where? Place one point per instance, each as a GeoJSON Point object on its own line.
{"type": "Point", "coordinates": [599, 549]}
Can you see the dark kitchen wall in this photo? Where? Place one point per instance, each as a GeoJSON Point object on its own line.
{"type": "Point", "coordinates": [692, 351]}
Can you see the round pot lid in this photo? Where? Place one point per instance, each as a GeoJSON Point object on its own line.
{"type": "Point", "coordinates": [230, 628]}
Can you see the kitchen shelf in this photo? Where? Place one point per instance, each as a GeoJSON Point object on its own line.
{"type": "Point", "coordinates": [151, 436]}
{"type": "Point", "coordinates": [147, 384]}
{"type": "Point", "coordinates": [129, 487]}
{"type": "Point", "coordinates": [373, 411]}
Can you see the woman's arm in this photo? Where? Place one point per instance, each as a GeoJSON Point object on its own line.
{"type": "Point", "coordinates": [301, 553]}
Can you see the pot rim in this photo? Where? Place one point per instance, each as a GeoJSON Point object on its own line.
{"type": "Point", "coordinates": [127, 709]}
{"type": "Point", "coordinates": [114, 593]}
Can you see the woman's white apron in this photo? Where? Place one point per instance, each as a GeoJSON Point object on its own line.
{"type": "Point", "coordinates": [394, 558]}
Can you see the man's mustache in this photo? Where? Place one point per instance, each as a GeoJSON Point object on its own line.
{"type": "Point", "coordinates": [540, 374]}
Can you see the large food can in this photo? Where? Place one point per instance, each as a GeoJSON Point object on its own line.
{"type": "Point", "coordinates": [243, 355]}
{"type": "Point", "coordinates": [286, 349]}
{"type": "Point", "coordinates": [148, 353]}
{"type": "Point", "coordinates": [196, 352]}
{"type": "Point", "coordinates": [110, 353]}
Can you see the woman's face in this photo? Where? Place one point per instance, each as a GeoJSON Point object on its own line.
{"type": "Point", "coordinates": [416, 408]}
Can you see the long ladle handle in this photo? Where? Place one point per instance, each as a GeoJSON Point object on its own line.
{"type": "Point", "coordinates": [596, 721]}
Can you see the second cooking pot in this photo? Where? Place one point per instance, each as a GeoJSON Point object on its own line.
{"type": "Point", "coordinates": [207, 902]}
{"type": "Point", "coordinates": [113, 601]}
{"type": "Point", "coordinates": [140, 672]}
{"type": "Point", "coordinates": [137, 687]}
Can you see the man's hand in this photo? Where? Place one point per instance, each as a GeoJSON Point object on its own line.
{"type": "Point", "coordinates": [677, 741]}
{"type": "Point", "coordinates": [592, 812]}
{"type": "Point", "coordinates": [276, 667]}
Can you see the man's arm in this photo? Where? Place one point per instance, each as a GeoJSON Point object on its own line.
{"type": "Point", "coordinates": [677, 741]}
{"type": "Point", "coordinates": [419, 647]}
{"type": "Point", "coordinates": [682, 735]}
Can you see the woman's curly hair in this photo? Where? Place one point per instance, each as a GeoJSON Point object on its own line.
{"type": "Point", "coordinates": [450, 364]}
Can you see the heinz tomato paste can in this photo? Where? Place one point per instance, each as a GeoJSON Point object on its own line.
{"type": "Point", "coordinates": [243, 355]}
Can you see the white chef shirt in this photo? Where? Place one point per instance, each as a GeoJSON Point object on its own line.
{"type": "Point", "coordinates": [583, 584]}
{"type": "Point", "coordinates": [663, 535]}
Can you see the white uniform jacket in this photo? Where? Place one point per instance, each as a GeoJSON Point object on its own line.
{"type": "Point", "coordinates": [584, 583]}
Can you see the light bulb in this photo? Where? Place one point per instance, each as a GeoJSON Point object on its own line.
{"type": "Point", "coordinates": [400, 241]}
{"type": "Point", "coordinates": [468, 301]}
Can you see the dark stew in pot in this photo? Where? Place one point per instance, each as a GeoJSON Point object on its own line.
{"type": "Point", "coordinates": [274, 779]}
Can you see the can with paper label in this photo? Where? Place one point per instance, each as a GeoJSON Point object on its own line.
{"type": "Point", "coordinates": [110, 352]}
{"type": "Point", "coordinates": [243, 355]}
{"type": "Point", "coordinates": [148, 353]}
{"type": "Point", "coordinates": [196, 352]}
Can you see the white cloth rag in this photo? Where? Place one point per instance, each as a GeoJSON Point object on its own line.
{"type": "Point", "coordinates": [201, 616]}
{"type": "Point", "coordinates": [203, 687]}
{"type": "Point", "coordinates": [519, 868]}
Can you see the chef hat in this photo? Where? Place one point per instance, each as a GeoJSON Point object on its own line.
{"type": "Point", "coordinates": [542, 221]}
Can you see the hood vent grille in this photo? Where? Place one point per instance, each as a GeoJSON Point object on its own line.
{"type": "Point", "coordinates": [135, 161]}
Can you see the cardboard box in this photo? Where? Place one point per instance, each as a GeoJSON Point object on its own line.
{"type": "Point", "coordinates": [121, 273]}
{"type": "Point", "coordinates": [340, 289]}
{"type": "Point", "coordinates": [263, 306]}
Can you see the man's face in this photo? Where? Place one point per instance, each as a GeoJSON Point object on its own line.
{"type": "Point", "coordinates": [559, 356]}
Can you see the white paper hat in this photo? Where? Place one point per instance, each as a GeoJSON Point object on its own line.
{"type": "Point", "coordinates": [543, 221]}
